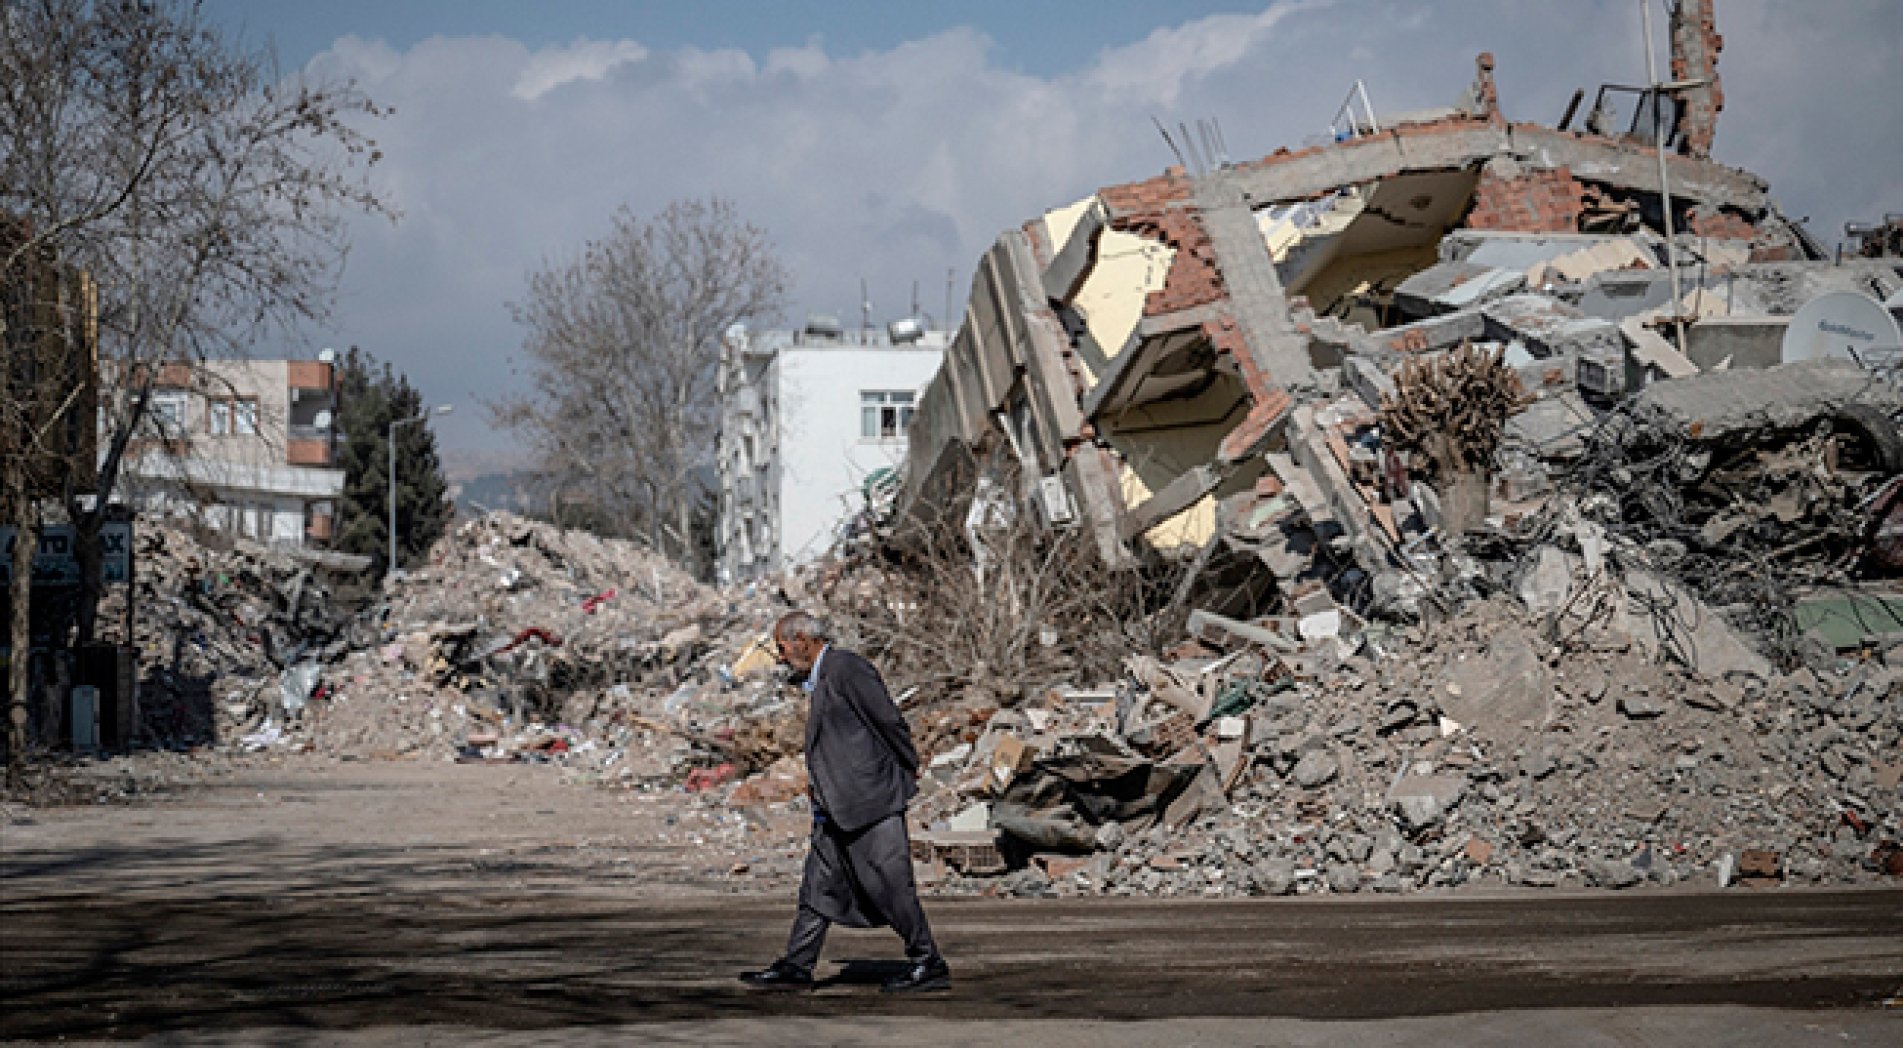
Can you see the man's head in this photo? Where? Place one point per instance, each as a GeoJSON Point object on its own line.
{"type": "Point", "coordinates": [800, 638]}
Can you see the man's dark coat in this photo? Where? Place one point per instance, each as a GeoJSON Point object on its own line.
{"type": "Point", "coordinates": [863, 770]}
{"type": "Point", "coordinates": [859, 755]}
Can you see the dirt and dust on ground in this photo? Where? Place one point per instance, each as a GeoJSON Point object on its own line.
{"type": "Point", "coordinates": [298, 899]}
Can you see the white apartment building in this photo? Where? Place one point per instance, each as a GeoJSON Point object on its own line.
{"type": "Point", "coordinates": [248, 446]}
{"type": "Point", "coordinates": [808, 417]}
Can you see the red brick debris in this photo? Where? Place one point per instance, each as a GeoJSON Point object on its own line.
{"type": "Point", "coordinates": [1160, 208]}
{"type": "Point", "coordinates": [1534, 202]}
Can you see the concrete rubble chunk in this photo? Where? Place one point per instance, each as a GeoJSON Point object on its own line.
{"type": "Point", "coordinates": [1548, 581]}
{"type": "Point", "coordinates": [1424, 800]}
{"type": "Point", "coordinates": [1642, 706]}
{"type": "Point", "coordinates": [1507, 685]}
{"type": "Point", "coordinates": [1316, 768]}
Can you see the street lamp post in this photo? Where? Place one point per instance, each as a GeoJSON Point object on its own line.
{"type": "Point", "coordinates": [389, 569]}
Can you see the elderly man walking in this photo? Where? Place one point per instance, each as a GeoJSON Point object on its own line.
{"type": "Point", "coordinates": [862, 771]}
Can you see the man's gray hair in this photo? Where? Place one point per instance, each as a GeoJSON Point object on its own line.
{"type": "Point", "coordinates": [801, 624]}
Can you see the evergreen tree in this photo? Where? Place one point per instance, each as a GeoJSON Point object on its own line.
{"type": "Point", "coordinates": [369, 399]}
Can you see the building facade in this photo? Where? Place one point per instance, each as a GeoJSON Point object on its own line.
{"type": "Point", "coordinates": [247, 446]}
{"type": "Point", "coordinates": [809, 420]}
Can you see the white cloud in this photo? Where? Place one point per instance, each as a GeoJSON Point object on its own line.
{"type": "Point", "coordinates": [1156, 69]}
{"type": "Point", "coordinates": [896, 165]}
{"type": "Point", "coordinates": [552, 67]}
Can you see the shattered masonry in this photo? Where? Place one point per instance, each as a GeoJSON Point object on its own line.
{"type": "Point", "coordinates": [1164, 345]}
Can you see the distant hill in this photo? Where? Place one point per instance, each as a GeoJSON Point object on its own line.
{"type": "Point", "coordinates": [518, 491]}
{"type": "Point", "coordinates": [462, 465]}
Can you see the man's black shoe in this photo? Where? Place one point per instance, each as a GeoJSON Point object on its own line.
{"type": "Point", "coordinates": [779, 976]}
{"type": "Point", "coordinates": [932, 973]}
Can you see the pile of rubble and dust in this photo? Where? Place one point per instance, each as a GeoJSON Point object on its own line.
{"type": "Point", "coordinates": [1472, 752]}
{"type": "Point", "coordinates": [223, 630]}
{"type": "Point", "coordinates": [1536, 516]}
{"type": "Point", "coordinates": [517, 641]}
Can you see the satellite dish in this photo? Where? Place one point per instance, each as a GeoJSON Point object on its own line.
{"type": "Point", "coordinates": [322, 421]}
{"type": "Point", "coordinates": [1842, 325]}
{"type": "Point", "coordinates": [327, 355]}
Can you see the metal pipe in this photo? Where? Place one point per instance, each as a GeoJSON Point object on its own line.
{"type": "Point", "coordinates": [1374, 123]}
{"type": "Point", "coordinates": [1665, 187]}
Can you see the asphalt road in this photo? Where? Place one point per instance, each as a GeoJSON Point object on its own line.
{"type": "Point", "coordinates": [418, 905]}
{"type": "Point", "coordinates": [82, 966]}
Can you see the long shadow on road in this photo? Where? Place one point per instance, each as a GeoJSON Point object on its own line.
{"type": "Point", "coordinates": [354, 939]}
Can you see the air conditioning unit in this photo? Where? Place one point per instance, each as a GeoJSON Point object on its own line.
{"type": "Point", "coordinates": [1600, 374]}
{"type": "Point", "coordinates": [1054, 498]}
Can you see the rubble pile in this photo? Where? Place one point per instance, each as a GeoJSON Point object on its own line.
{"type": "Point", "coordinates": [524, 641]}
{"type": "Point", "coordinates": [217, 627]}
{"type": "Point", "coordinates": [1537, 494]}
{"type": "Point", "coordinates": [518, 641]}
{"type": "Point", "coordinates": [1536, 522]}
{"type": "Point", "coordinates": [1470, 753]}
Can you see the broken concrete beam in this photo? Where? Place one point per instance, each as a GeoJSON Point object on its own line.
{"type": "Point", "coordinates": [1448, 145]}
{"type": "Point", "coordinates": [1368, 381]}
{"type": "Point", "coordinates": [1744, 406]}
{"type": "Point", "coordinates": [1178, 495]}
{"type": "Point", "coordinates": [1073, 259]}
{"type": "Point", "coordinates": [1256, 297]}
{"type": "Point", "coordinates": [1227, 633]}
{"type": "Point", "coordinates": [1447, 287]}
{"type": "Point", "coordinates": [1309, 447]}
{"type": "Point", "coordinates": [1432, 334]}
{"type": "Point", "coordinates": [1666, 619]}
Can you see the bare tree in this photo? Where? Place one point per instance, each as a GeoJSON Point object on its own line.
{"type": "Point", "coordinates": [205, 194]}
{"type": "Point", "coordinates": [624, 344]}
{"type": "Point", "coordinates": [977, 606]}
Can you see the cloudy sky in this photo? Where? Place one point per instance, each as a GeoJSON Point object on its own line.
{"type": "Point", "coordinates": [891, 140]}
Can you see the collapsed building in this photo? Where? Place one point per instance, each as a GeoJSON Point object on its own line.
{"type": "Point", "coordinates": [1191, 366]}
{"type": "Point", "coordinates": [1534, 495]}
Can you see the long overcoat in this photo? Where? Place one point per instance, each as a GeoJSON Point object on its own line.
{"type": "Point", "coordinates": [864, 770]}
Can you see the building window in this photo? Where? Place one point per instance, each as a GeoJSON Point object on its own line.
{"type": "Point", "coordinates": [233, 416]}
{"type": "Point", "coordinates": [885, 414]}
{"type": "Point", "coordinates": [167, 411]}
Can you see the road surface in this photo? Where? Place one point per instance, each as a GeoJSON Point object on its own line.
{"type": "Point", "coordinates": [238, 915]}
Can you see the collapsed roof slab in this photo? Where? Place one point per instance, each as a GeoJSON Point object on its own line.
{"type": "Point", "coordinates": [1743, 406]}
{"type": "Point", "coordinates": [1009, 359]}
{"type": "Point", "coordinates": [1449, 286]}
{"type": "Point", "coordinates": [1462, 142]}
